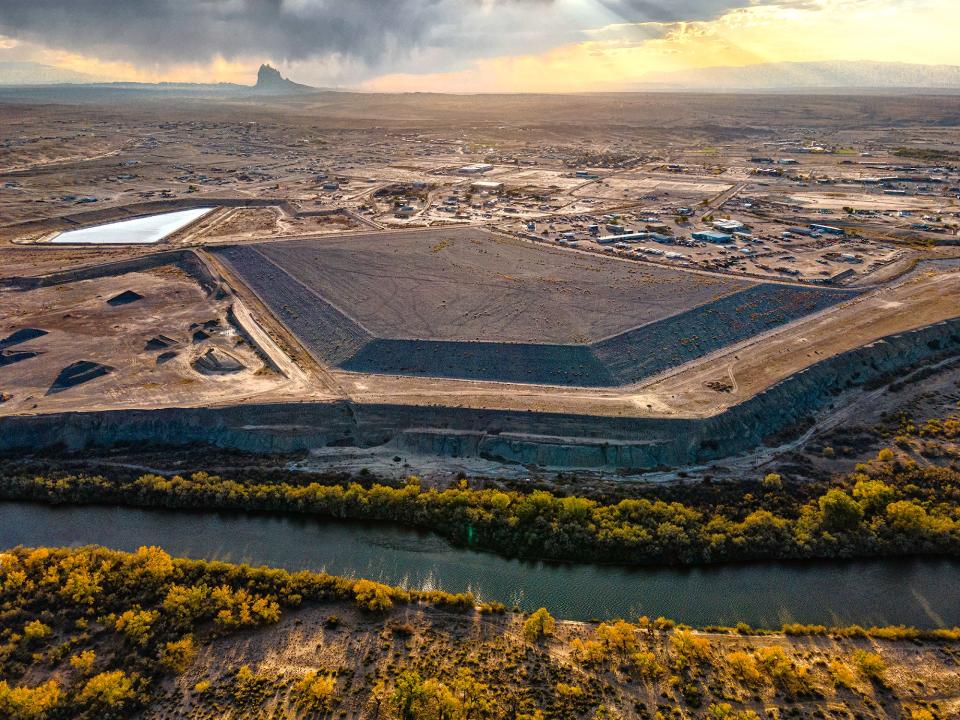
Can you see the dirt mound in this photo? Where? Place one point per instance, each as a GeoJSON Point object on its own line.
{"type": "Point", "coordinates": [160, 342]}
{"type": "Point", "coordinates": [124, 298]}
{"type": "Point", "coordinates": [200, 336]}
{"type": "Point", "coordinates": [217, 362]}
{"type": "Point", "coordinates": [21, 336]}
{"type": "Point", "coordinates": [9, 357]}
{"type": "Point", "coordinates": [165, 357]}
{"type": "Point", "coordinates": [78, 373]}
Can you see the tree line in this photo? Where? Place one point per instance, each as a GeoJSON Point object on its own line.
{"type": "Point", "coordinates": [887, 507]}
{"type": "Point", "coordinates": [107, 625]}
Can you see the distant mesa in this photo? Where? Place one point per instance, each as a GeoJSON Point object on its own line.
{"type": "Point", "coordinates": [124, 298]}
{"type": "Point", "coordinates": [271, 82]}
{"type": "Point", "coordinates": [21, 336]}
{"type": "Point", "coordinates": [78, 373]}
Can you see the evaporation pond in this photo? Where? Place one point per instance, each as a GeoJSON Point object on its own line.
{"type": "Point", "coordinates": [138, 231]}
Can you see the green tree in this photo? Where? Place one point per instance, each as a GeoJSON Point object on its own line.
{"type": "Point", "coordinates": [538, 625]}
{"type": "Point", "coordinates": [873, 495]}
{"type": "Point", "coordinates": [407, 692]}
{"type": "Point", "coordinates": [839, 511]}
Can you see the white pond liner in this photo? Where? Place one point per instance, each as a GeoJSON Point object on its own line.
{"type": "Point", "coordinates": [139, 231]}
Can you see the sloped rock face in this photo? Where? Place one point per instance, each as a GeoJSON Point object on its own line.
{"type": "Point", "coordinates": [217, 362]}
{"type": "Point", "coordinates": [819, 386]}
{"type": "Point", "coordinates": [546, 440]}
{"type": "Point", "coordinates": [269, 80]}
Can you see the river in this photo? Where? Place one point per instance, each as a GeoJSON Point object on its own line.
{"type": "Point", "coordinates": [918, 592]}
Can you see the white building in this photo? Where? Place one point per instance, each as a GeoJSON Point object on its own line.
{"type": "Point", "coordinates": [475, 169]}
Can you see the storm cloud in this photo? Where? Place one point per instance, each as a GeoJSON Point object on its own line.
{"type": "Point", "coordinates": [639, 11]}
{"type": "Point", "coordinates": [163, 31]}
{"type": "Point", "coordinates": [373, 32]}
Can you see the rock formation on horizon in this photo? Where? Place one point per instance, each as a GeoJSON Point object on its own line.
{"type": "Point", "coordinates": [269, 80]}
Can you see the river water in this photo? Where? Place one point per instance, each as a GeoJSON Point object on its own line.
{"type": "Point", "coordinates": [918, 592]}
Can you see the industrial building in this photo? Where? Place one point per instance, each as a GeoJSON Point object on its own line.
{"type": "Point", "coordinates": [712, 236]}
{"type": "Point", "coordinates": [475, 169]}
{"type": "Point", "coordinates": [829, 229]}
{"type": "Point", "coordinates": [487, 186]}
{"type": "Point", "coordinates": [729, 226]}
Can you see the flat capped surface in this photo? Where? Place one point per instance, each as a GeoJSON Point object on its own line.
{"type": "Point", "coordinates": [468, 285]}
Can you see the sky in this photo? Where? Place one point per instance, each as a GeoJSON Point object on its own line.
{"type": "Point", "coordinates": [466, 45]}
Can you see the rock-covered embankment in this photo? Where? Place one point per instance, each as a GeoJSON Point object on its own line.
{"type": "Point", "coordinates": [548, 440]}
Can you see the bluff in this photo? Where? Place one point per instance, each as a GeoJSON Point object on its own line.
{"type": "Point", "coordinates": [271, 82]}
{"type": "Point", "coordinates": [551, 440]}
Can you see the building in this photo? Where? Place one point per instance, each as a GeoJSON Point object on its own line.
{"type": "Point", "coordinates": [487, 186]}
{"type": "Point", "coordinates": [475, 169]}
{"type": "Point", "coordinates": [829, 229]}
{"type": "Point", "coordinates": [627, 237]}
{"type": "Point", "coordinates": [729, 226]}
{"type": "Point", "coordinates": [711, 236]}
{"type": "Point", "coordinates": [658, 227]}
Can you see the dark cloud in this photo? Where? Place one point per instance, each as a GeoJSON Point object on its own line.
{"type": "Point", "coordinates": [170, 31]}
{"type": "Point", "coordinates": [636, 11]}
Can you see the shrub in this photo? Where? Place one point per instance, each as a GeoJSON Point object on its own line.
{"type": "Point", "coordinates": [316, 690]}
{"type": "Point", "coordinates": [689, 647]}
{"type": "Point", "coordinates": [773, 481]}
{"type": "Point", "coordinates": [841, 674]}
{"type": "Point", "coordinates": [647, 665]}
{"type": "Point", "coordinates": [108, 689]}
{"type": "Point", "coordinates": [790, 677]}
{"type": "Point", "coordinates": [743, 667]}
{"type": "Point", "coordinates": [137, 624]}
{"type": "Point", "coordinates": [725, 711]}
{"type": "Point", "coordinates": [83, 662]}
{"type": "Point", "coordinates": [36, 630]}
{"type": "Point", "coordinates": [871, 665]}
{"type": "Point", "coordinates": [178, 655]}
{"type": "Point", "coordinates": [26, 703]}
{"type": "Point", "coordinates": [372, 596]}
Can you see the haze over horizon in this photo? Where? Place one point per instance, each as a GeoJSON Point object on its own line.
{"type": "Point", "coordinates": [485, 45]}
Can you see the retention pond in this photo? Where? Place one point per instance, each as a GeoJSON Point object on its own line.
{"type": "Point", "coordinates": [137, 231]}
{"type": "Point", "coordinates": [918, 592]}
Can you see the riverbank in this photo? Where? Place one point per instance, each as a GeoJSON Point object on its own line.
{"type": "Point", "coordinates": [95, 633]}
{"type": "Point", "coordinates": [892, 507]}
{"type": "Point", "coordinates": [913, 592]}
